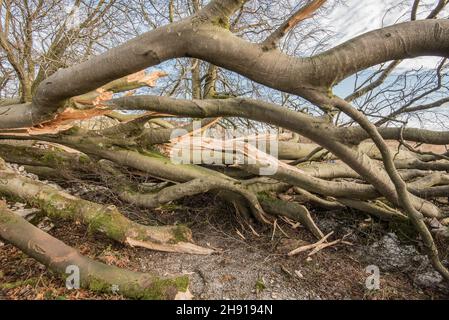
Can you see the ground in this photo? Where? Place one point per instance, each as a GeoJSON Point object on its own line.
{"type": "Point", "coordinates": [253, 267]}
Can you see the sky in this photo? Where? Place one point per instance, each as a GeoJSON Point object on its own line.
{"type": "Point", "coordinates": [360, 16]}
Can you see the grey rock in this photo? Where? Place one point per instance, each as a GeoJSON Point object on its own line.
{"type": "Point", "coordinates": [389, 254]}
{"type": "Point", "coordinates": [430, 279]}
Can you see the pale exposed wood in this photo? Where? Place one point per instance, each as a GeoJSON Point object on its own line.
{"type": "Point", "coordinates": [300, 15]}
{"type": "Point", "coordinates": [310, 246]}
{"type": "Point", "coordinates": [180, 247]}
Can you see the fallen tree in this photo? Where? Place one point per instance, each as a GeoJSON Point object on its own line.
{"type": "Point", "coordinates": [342, 166]}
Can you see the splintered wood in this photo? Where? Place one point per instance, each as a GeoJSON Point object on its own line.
{"type": "Point", "coordinates": [148, 79]}
{"type": "Point", "coordinates": [91, 105]}
{"type": "Point", "coordinates": [64, 120]}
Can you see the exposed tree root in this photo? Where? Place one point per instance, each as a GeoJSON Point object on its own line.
{"type": "Point", "coordinates": [307, 197]}
{"type": "Point", "coordinates": [293, 211]}
{"type": "Point", "coordinates": [379, 209]}
{"type": "Point", "coordinates": [191, 188]}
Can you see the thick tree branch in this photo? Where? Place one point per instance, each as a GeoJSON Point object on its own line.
{"type": "Point", "coordinates": [404, 197]}
{"type": "Point", "coordinates": [313, 128]}
{"type": "Point", "coordinates": [94, 275]}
